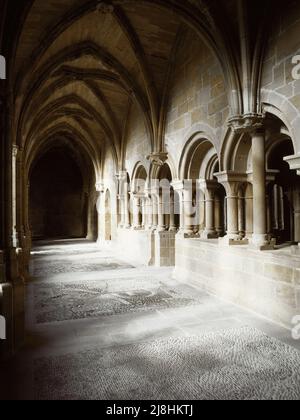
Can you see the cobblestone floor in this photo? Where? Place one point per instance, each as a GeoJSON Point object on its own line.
{"type": "Point", "coordinates": [100, 328]}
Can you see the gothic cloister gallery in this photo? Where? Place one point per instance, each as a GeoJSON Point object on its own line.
{"type": "Point", "coordinates": [150, 199]}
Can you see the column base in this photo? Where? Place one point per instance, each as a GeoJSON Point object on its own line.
{"type": "Point", "coordinates": [233, 240]}
{"type": "Point", "coordinates": [161, 229]}
{"type": "Point", "coordinates": [261, 243]}
{"type": "Point", "coordinates": [209, 235]}
{"type": "Point", "coordinates": [187, 234]}
{"type": "Point", "coordinates": [137, 228]}
{"type": "Point", "coordinates": [173, 229]}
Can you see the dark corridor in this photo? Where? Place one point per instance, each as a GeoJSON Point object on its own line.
{"type": "Point", "coordinates": [58, 204]}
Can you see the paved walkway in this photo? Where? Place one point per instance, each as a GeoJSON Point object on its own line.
{"type": "Point", "coordinates": [100, 328]}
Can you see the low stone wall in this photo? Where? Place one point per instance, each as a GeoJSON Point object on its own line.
{"type": "Point", "coordinates": [265, 282]}
{"type": "Point", "coordinates": [136, 246]}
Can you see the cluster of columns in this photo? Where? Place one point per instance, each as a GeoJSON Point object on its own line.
{"type": "Point", "coordinates": [243, 214]}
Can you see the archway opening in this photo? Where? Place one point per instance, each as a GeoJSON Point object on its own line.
{"type": "Point", "coordinates": [283, 196]}
{"type": "Point", "coordinates": [58, 202]}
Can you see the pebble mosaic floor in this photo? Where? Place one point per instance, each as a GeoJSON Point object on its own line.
{"type": "Point", "coordinates": [99, 328]}
{"type": "Point", "coordinates": [238, 364]}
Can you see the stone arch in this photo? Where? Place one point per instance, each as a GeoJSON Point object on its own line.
{"type": "Point", "coordinates": [139, 178]}
{"type": "Point", "coordinates": [194, 153]}
{"type": "Point", "coordinates": [281, 107]}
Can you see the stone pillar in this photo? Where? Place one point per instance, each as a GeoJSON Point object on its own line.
{"type": "Point", "coordinates": [189, 211]}
{"type": "Point", "coordinates": [185, 192]}
{"type": "Point", "coordinates": [259, 238]}
{"type": "Point", "coordinates": [172, 227]}
{"type": "Point", "coordinates": [219, 223]}
{"type": "Point", "coordinates": [15, 239]}
{"type": "Point", "coordinates": [296, 215]}
{"type": "Point", "coordinates": [100, 191]}
{"type": "Point", "coordinates": [249, 212]}
{"type": "Point", "coordinates": [232, 182]}
{"type": "Point", "coordinates": [148, 210]}
{"type": "Point", "coordinates": [127, 224]}
{"type": "Point", "coordinates": [209, 189]}
{"type": "Point", "coordinates": [154, 210]}
{"type": "Point", "coordinates": [241, 210]}
{"type": "Point", "coordinates": [144, 212]}
{"type": "Point", "coordinates": [161, 213]}
{"type": "Point", "coordinates": [137, 211]}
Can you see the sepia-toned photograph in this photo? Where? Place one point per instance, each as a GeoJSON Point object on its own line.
{"type": "Point", "coordinates": [149, 203]}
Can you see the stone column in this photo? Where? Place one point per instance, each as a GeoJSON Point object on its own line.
{"type": "Point", "coordinates": [161, 213]}
{"type": "Point", "coordinates": [185, 193]}
{"type": "Point", "coordinates": [172, 227]}
{"type": "Point", "coordinates": [144, 212]}
{"type": "Point", "coordinates": [189, 211]}
{"type": "Point", "coordinates": [241, 210]}
{"type": "Point", "coordinates": [148, 210]}
{"type": "Point", "coordinates": [100, 191]}
{"type": "Point", "coordinates": [232, 182]}
{"type": "Point", "coordinates": [127, 224]}
{"type": "Point", "coordinates": [249, 212]}
{"type": "Point", "coordinates": [154, 210]}
{"type": "Point", "coordinates": [219, 223]}
{"type": "Point", "coordinates": [137, 211]}
{"type": "Point", "coordinates": [209, 189]}
{"type": "Point", "coordinates": [260, 237]}
{"type": "Point", "coordinates": [296, 215]}
{"type": "Point", "coordinates": [15, 239]}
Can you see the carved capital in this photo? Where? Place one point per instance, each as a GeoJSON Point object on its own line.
{"type": "Point", "coordinates": [247, 123]}
{"type": "Point", "coordinates": [158, 159]}
{"type": "Point", "coordinates": [100, 187]}
{"type": "Point", "coordinates": [105, 7]}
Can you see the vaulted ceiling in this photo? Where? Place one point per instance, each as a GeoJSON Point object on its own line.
{"type": "Point", "coordinates": [79, 66]}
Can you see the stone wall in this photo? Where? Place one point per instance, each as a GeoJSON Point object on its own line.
{"type": "Point", "coordinates": [136, 246]}
{"type": "Point", "coordinates": [198, 95]}
{"type": "Point", "coordinates": [279, 88]}
{"type": "Point", "coordinates": [267, 283]}
{"type": "Point", "coordinates": [138, 145]}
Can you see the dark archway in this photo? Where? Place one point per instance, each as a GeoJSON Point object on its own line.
{"type": "Point", "coordinates": [283, 195]}
{"type": "Point", "coordinates": [58, 202]}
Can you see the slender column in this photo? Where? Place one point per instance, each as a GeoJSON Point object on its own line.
{"type": "Point", "coordinates": [232, 214]}
{"type": "Point", "coordinates": [172, 227]}
{"type": "Point", "coordinates": [232, 183]}
{"type": "Point", "coordinates": [189, 211]}
{"type": "Point", "coordinates": [161, 213]}
{"type": "Point", "coordinates": [126, 208]}
{"type": "Point", "coordinates": [179, 188]}
{"type": "Point", "coordinates": [249, 215]}
{"type": "Point", "coordinates": [137, 211]}
{"type": "Point", "coordinates": [144, 212]}
{"type": "Point", "coordinates": [148, 210]}
{"type": "Point", "coordinates": [209, 189]}
{"type": "Point", "coordinates": [259, 238]}
{"type": "Point", "coordinates": [122, 211]}
{"type": "Point", "coordinates": [154, 211]}
{"type": "Point", "coordinates": [296, 202]}
{"type": "Point", "coordinates": [218, 216]}
{"type": "Point", "coordinates": [241, 210]}
{"type": "Point", "coordinates": [14, 196]}
{"type": "Point", "coordinates": [185, 193]}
